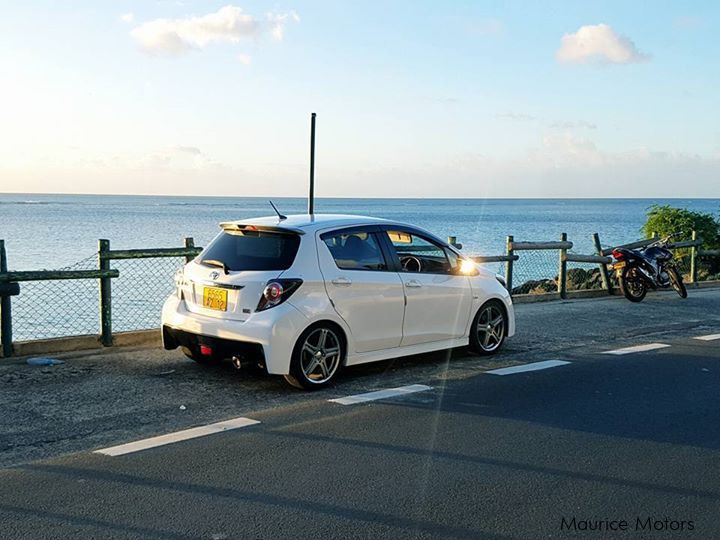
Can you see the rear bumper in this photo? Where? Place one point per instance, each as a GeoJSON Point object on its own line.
{"type": "Point", "coordinates": [269, 334]}
{"type": "Point", "coordinates": [222, 348]}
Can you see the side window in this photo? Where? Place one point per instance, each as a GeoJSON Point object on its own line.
{"type": "Point", "coordinates": [419, 254]}
{"type": "Point", "coordinates": [356, 250]}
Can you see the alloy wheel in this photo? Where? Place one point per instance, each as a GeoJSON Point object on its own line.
{"type": "Point", "coordinates": [490, 328]}
{"type": "Point", "coordinates": [320, 355]}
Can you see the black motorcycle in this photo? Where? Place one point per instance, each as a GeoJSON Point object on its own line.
{"type": "Point", "coordinates": [649, 267]}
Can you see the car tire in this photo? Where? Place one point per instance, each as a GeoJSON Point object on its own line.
{"type": "Point", "coordinates": [489, 328]}
{"type": "Point", "coordinates": [317, 357]}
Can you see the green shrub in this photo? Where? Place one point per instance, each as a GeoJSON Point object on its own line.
{"type": "Point", "coordinates": [666, 220]}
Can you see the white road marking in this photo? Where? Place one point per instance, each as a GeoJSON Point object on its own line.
{"type": "Point", "coordinates": [637, 348]}
{"type": "Point", "coordinates": [178, 436]}
{"type": "Point", "coordinates": [381, 394]}
{"type": "Point", "coordinates": [535, 366]}
{"type": "Point", "coordinates": [711, 337]}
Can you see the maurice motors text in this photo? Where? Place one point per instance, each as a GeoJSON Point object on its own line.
{"type": "Point", "coordinates": [645, 523]}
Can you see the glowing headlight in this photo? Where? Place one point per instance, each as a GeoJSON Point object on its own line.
{"type": "Point", "coordinates": [467, 267]}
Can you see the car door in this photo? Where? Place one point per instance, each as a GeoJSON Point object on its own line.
{"type": "Point", "coordinates": [363, 288]}
{"type": "Point", "coordinates": [438, 297]}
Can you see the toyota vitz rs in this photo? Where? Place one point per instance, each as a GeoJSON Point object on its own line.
{"type": "Point", "coordinates": [305, 295]}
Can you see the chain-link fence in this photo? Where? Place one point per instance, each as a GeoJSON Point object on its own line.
{"type": "Point", "coordinates": [138, 294]}
{"type": "Point", "coordinates": [57, 308]}
{"type": "Point", "coordinates": [60, 308]}
{"type": "Point", "coordinates": [536, 271]}
{"type": "Point", "coordinates": [67, 301]}
{"type": "Point", "coordinates": [120, 290]}
{"type": "Point", "coordinates": [708, 267]}
{"type": "Point", "coordinates": [583, 276]}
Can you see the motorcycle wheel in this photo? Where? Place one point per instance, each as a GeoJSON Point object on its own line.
{"type": "Point", "coordinates": [632, 287]}
{"type": "Point", "coordinates": [677, 282]}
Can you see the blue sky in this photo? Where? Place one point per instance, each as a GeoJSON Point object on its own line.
{"type": "Point", "coordinates": [468, 99]}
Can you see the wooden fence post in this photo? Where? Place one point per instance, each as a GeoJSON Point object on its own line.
{"type": "Point", "coordinates": [5, 311]}
{"type": "Point", "coordinates": [603, 267]}
{"type": "Point", "coordinates": [562, 271]}
{"type": "Point", "coordinates": [106, 337]}
{"type": "Point", "coordinates": [693, 260]}
{"type": "Point", "coordinates": [189, 243]}
{"type": "Point", "coordinates": [509, 263]}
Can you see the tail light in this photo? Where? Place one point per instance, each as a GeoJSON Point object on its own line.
{"type": "Point", "coordinates": [276, 292]}
{"type": "Point", "coordinates": [619, 255]}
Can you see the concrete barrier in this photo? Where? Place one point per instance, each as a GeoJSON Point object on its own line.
{"type": "Point", "coordinates": [141, 338]}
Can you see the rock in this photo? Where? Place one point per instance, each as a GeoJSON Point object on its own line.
{"type": "Point", "coordinates": [577, 279]}
{"type": "Point", "coordinates": [536, 287]}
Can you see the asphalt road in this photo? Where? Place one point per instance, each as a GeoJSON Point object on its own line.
{"type": "Point", "coordinates": [478, 455]}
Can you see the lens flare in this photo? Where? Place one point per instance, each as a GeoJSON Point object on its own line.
{"type": "Point", "coordinates": [467, 266]}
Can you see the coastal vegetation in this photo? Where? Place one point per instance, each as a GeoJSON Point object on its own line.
{"type": "Point", "coordinates": [665, 220]}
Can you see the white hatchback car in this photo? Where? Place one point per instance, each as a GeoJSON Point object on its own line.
{"type": "Point", "coordinates": [305, 295]}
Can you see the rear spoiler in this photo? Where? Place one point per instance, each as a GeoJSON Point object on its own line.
{"type": "Point", "coordinates": [231, 226]}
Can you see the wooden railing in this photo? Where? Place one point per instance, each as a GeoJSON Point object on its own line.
{"type": "Point", "coordinates": [601, 257]}
{"type": "Point", "coordinates": [10, 283]}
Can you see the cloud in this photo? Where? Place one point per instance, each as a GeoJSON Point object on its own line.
{"type": "Point", "coordinates": [245, 59]}
{"type": "Point", "coordinates": [518, 117]}
{"type": "Point", "coordinates": [229, 24]}
{"type": "Point", "coordinates": [573, 124]}
{"type": "Point", "coordinates": [194, 150]}
{"type": "Point", "coordinates": [177, 157]}
{"type": "Point", "coordinates": [598, 44]}
{"type": "Point", "coordinates": [127, 17]}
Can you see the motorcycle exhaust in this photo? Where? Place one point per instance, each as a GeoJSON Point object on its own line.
{"type": "Point", "coordinates": [646, 277]}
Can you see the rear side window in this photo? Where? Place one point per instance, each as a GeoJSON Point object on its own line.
{"type": "Point", "coordinates": [252, 250]}
{"type": "Point", "coordinates": [355, 250]}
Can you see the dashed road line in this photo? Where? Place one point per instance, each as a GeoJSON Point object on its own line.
{"type": "Point", "coordinates": [381, 394]}
{"type": "Point", "coordinates": [178, 436]}
{"type": "Point", "coordinates": [710, 337]}
{"type": "Point", "coordinates": [534, 366]}
{"type": "Point", "coordinates": [637, 348]}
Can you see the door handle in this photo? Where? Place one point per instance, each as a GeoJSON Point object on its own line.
{"type": "Point", "coordinates": [341, 281]}
{"type": "Point", "coordinates": [414, 283]}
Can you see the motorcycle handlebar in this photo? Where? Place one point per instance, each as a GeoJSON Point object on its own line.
{"type": "Point", "coordinates": [666, 239]}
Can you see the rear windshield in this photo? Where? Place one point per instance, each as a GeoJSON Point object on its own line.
{"type": "Point", "coordinates": [253, 250]}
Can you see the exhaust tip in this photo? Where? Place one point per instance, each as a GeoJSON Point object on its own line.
{"type": "Point", "coordinates": [237, 362]}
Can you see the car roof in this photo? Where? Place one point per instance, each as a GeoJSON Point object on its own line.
{"type": "Point", "coordinates": [309, 222]}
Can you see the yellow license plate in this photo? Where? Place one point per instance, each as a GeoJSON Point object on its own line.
{"type": "Point", "coordinates": [619, 265]}
{"type": "Point", "coordinates": [214, 298]}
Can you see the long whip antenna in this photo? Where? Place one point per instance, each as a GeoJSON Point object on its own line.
{"type": "Point", "coordinates": [311, 196]}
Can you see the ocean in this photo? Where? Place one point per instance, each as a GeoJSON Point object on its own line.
{"type": "Point", "coordinates": [59, 231]}
{"type": "Point", "coordinates": [52, 231]}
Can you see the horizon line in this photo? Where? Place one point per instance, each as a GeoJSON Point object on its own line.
{"type": "Point", "coordinates": [350, 197]}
